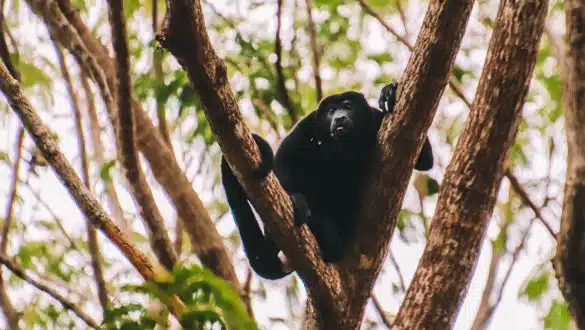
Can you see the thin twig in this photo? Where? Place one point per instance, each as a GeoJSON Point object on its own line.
{"type": "Point", "coordinates": [67, 304]}
{"type": "Point", "coordinates": [366, 7]}
{"type": "Point", "coordinates": [154, 222]}
{"type": "Point", "coordinates": [90, 207]}
{"type": "Point", "coordinates": [280, 79]}
{"type": "Point", "coordinates": [12, 316]}
{"type": "Point", "coordinates": [4, 52]}
{"type": "Point", "coordinates": [452, 83]}
{"type": "Point", "coordinates": [526, 200]}
{"type": "Point", "coordinates": [403, 18]}
{"type": "Point", "coordinates": [314, 51]}
{"type": "Point", "coordinates": [99, 157]}
{"type": "Point", "coordinates": [13, 190]}
{"type": "Point", "coordinates": [396, 266]}
{"type": "Point", "coordinates": [93, 244]}
{"type": "Point", "coordinates": [57, 220]}
{"type": "Point", "coordinates": [380, 311]}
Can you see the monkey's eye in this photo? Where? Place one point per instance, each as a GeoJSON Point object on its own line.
{"type": "Point", "coordinates": [331, 109]}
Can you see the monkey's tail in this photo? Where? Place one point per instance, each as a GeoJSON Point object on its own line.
{"type": "Point", "coordinates": [260, 249]}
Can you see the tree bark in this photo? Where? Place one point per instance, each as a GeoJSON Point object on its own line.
{"type": "Point", "coordinates": [184, 34]}
{"type": "Point", "coordinates": [89, 206]}
{"type": "Point", "coordinates": [569, 265]}
{"type": "Point", "coordinates": [93, 244]}
{"type": "Point", "coordinates": [402, 133]}
{"type": "Point", "coordinates": [471, 181]}
{"type": "Point", "coordinates": [126, 143]}
{"type": "Point", "coordinates": [206, 242]}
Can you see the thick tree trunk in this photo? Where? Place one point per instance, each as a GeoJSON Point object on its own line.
{"type": "Point", "coordinates": [471, 182]}
{"type": "Point", "coordinates": [569, 261]}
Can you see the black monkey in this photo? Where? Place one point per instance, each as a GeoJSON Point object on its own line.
{"type": "Point", "coordinates": [321, 163]}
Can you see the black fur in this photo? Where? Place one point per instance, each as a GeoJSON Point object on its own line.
{"type": "Point", "coordinates": [321, 164]}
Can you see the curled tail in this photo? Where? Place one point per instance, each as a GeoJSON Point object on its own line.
{"type": "Point", "coordinates": [261, 250]}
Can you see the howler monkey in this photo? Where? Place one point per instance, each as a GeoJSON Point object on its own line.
{"type": "Point", "coordinates": [322, 164]}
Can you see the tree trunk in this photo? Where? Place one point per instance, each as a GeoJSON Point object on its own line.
{"type": "Point", "coordinates": [469, 188]}
{"type": "Point", "coordinates": [569, 264]}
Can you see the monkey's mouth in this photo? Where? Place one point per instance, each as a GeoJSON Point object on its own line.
{"type": "Point", "coordinates": [340, 131]}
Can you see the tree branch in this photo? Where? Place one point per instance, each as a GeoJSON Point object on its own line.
{"type": "Point", "coordinates": [280, 78]}
{"type": "Point", "coordinates": [468, 193]}
{"type": "Point", "coordinates": [314, 51]}
{"type": "Point", "coordinates": [12, 316]}
{"type": "Point", "coordinates": [403, 133]}
{"type": "Point", "coordinates": [184, 34]}
{"type": "Point", "coordinates": [569, 266]}
{"type": "Point", "coordinates": [370, 11]}
{"type": "Point", "coordinates": [526, 200]}
{"type": "Point", "coordinates": [98, 155]}
{"type": "Point", "coordinates": [154, 222]}
{"type": "Point", "coordinates": [380, 311]}
{"type": "Point", "coordinates": [67, 304]}
{"type": "Point", "coordinates": [94, 248]}
{"type": "Point", "coordinates": [206, 242]}
{"type": "Point", "coordinates": [90, 207]}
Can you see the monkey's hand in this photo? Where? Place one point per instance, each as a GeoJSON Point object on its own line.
{"type": "Point", "coordinates": [301, 209]}
{"type": "Point", "coordinates": [267, 158]}
{"type": "Point", "coordinates": [388, 97]}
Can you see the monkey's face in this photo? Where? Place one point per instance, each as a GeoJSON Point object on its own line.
{"type": "Point", "coordinates": [344, 116]}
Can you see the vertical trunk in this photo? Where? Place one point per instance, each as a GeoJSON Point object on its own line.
{"type": "Point", "coordinates": [471, 181]}
{"type": "Point", "coordinates": [569, 261]}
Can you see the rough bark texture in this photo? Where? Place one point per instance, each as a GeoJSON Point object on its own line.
{"type": "Point", "coordinates": [126, 135]}
{"type": "Point", "coordinates": [206, 242]}
{"type": "Point", "coordinates": [569, 262]}
{"type": "Point", "coordinates": [184, 34]}
{"type": "Point", "coordinates": [403, 133]}
{"type": "Point", "coordinates": [468, 191]}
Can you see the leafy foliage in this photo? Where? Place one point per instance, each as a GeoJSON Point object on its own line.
{"type": "Point", "coordinates": [209, 300]}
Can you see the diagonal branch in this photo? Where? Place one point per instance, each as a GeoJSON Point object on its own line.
{"type": "Point", "coordinates": [185, 36]}
{"type": "Point", "coordinates": [370, 11]}
{"type": "Point", "coordinates": [154, 222]}
{"type": "Point", "coordinates": [468, 193]}
{"type": "Point", "coordinates": [206, 242]}
{"type": "Point", "coordinates": [67, 304]}
{"type": "Point", "coordinates": [86, 202]}
{"type": "Point", "coordinates": [94, 248]}
{"type": "Point", "coordinates": [98, 155]}
{"type": "Point", "coordinates": [526, 200]}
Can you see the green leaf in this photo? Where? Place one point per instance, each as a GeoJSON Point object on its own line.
{"type": "Point", "coordinates": [536, 286]}
{"type": "Point", "coordinates": [557, 317]}
{"type": "Point", "coordinates": [381, 58]}
{"type": "Point", "coordinates": [31, 75]}
{"type": "Point", "coordinates": [4, 157]}
{"type": "Point", "coordinates": [105, 170]}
